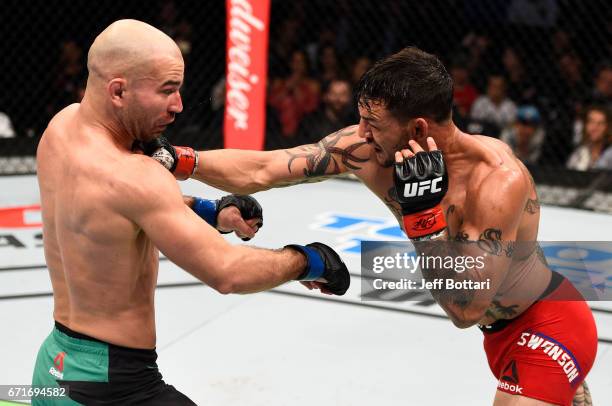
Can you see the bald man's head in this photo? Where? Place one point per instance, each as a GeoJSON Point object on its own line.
{"type": "Point", "coordinates": [135, 74]}
{"type": "Point", "coordinates": [128, 47]}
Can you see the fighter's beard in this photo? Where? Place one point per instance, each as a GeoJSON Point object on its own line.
{"type": "Point", "coordinates": [388, 162]}
{"type": "Point", "coordinates": [391, 160]}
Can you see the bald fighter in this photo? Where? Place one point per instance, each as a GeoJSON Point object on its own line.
{"type": "Point", "coordinates": [445, 185]}
{"type": "Point", "coordinates": [104, 220]}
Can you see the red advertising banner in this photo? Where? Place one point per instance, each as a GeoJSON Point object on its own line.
{"type": "Point", "coordinates": [20, 217]}
{"type": "Point", "coordinates": [246, 72]}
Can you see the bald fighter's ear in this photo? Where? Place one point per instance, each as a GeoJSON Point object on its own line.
{"type": "Point", "coordinates": [116, 89]}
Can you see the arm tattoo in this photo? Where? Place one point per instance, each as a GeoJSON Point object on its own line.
{"type": "Point", "coordinates": [532, 206]}
{"type": "Point", "coordinates": [391, 202]}
{"type": "Point", "coordinates": [461, 236]}
{"type": "Point", "coordinates": [322, 157]}
{"type": "Point", "coordinates": [490, 241]}
{"type": "Point", "coordinates": [432, 248]}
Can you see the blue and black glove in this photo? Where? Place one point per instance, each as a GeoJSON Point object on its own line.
{"type": "Point", "coordinates": [324, 265]}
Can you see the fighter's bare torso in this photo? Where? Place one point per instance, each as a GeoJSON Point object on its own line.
{"type": "Point", "coordinates": [103, 267]}
{"type": "Point", "coordinates": [345, 150]}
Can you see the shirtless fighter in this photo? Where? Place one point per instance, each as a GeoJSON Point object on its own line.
{"type": "Point", "coordinates": [104, 220]}
{"type": "Point", "coordinates": [478, 195]}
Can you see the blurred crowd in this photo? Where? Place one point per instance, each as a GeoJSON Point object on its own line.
{"type": "Point", "coordinates": [523, 71]}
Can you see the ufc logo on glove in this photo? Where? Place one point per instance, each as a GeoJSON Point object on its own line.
{"type": "Point", "coordinates": [419, 188]}
{"type": "Point", "coordinates": [421, 181]}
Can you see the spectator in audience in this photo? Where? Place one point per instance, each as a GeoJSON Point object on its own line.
{"type": "Point", "coordinates": [295, 95]}
{"type": "Point", "coordinates": [69, 76]}
{"type": "Point", "coordinates": [170, 20]}
{"type": "Point", "coordinates": [464, 93]}
{"type": "Point", "coordinates": [572, 85]}
{"type": "Point", "coordinates": [602, 91]}
{"type": "Point", "coordinates": [167, 17]}
{"type": "Point", "coordinates": [526, 136]}
{"type": "Point", "coordinates": [360, 66]}
{"type": "Point", "coordinates": [326, 37]}
{"type": "Point", "coordinates": [569, 94]}
{"type": "Point", "coordinates": [605, 162]}
{"type": "Point", "coordinates": [286, 38]}
{"type": "Point", "coordinates": [596, 138]}
{"type": "Point", "coordinates": [561, 41]}
{"type": "Point", "coordinates": [336, 112]}
{"type": "Point", "coordinates": [495, 108]}
{"type": "Point", "coordinates": [184, 37]}
{"type": "Point", "coordinates": [481, 57]}
{"type": "Point", "coordinates": [521, 88]}
{"type": "Point", "coordinates": [6, 126]}
{"type": "Point", "coordinates": [328, 65]}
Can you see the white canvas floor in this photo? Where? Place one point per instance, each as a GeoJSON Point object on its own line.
{"type": "Point", "coordinates": [291, 346]}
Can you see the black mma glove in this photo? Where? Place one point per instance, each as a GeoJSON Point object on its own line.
{"type": "Point", "coordinates": [421, 183]}
{"type": "Point", "coordinates": [324, 265]}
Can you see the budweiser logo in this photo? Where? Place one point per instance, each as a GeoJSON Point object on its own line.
{"type": "Point", "coordinates": [240, 79]}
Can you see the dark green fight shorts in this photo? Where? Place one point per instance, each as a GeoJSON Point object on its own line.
{"type": "Point", "coordinates": [99, 373]}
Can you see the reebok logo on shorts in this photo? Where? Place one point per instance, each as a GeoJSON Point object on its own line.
{"type": "Point", "coordinates": [509, 380]}
{"type": "Point", "coordinates": [510, 373]}
{"type": "Point", "coordinates": [510, 388]}
{"type": "Point", "coordinates": [555, 350]}
{"type": "Point", "coordinates": [57, 370]}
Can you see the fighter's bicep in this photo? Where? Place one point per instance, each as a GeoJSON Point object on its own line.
{"type": "Point", "coordinates": [156, 206]}
{"type": "Point", "coordinates": [490, 227]}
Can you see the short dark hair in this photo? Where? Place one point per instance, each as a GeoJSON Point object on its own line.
{"type": "Point", "coordinates": [410, 83]}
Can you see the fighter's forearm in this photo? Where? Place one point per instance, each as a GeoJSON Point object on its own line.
{"type": "Point", "coordinates": [236, 171]}
{"type": "Point", "coordinates": [250, 270]}
{"type": "Point", "coordinates": [246, 172]}
{"type": "Point", "coordinates": [472, 269]}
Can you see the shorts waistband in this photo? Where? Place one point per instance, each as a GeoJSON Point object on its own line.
{"type": "Point", "coordinates": [498, 325]}
{"type": "Point", "coordinates": [83, 341]}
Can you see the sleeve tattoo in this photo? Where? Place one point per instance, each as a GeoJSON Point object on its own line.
{"type": "Point", "coordinates": [323, 158]}
{"type": "Point", "coordinates": [489, 242]}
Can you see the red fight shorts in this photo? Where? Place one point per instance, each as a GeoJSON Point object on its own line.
{"type": "Point", "coordinates": [547, 351]}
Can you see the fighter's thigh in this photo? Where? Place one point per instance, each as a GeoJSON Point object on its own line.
{"type": "Point", "coordinates": [582, 397]}
{"type": "Point", "coordinates": [506, 399]}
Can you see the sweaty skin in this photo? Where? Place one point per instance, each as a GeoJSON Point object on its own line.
{"type": "Point", "coordinates": [478, 168]}
{"type": "Point", "coordinates": [104, 219]}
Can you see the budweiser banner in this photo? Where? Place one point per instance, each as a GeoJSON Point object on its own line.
{"type": "Point", "coordinates": [246, 70]}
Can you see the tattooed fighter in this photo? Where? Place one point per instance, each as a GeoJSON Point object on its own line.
{"type": "Point", "coordinates": [478, 195]}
